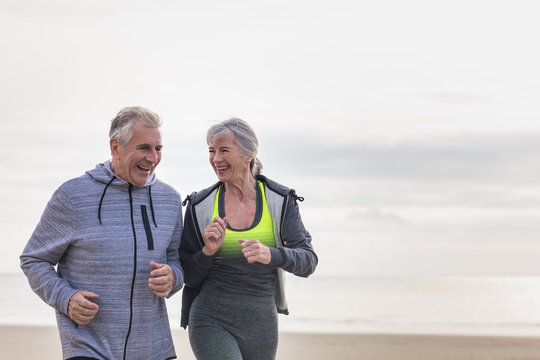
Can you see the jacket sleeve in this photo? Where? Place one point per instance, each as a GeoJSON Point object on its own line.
{"type": "Point", "coordinates": [196, 265]}
{"type": "Point", "coordinates": [296, 255]}
{"type": "Point", "coordinates": [173, 257]}
{"type": "Point", "coordinates": [46, 246]}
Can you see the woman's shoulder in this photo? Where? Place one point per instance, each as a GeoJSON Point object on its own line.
{"type": "Point", "coordinates": [278, 188]}
{"type": "Point", "coordinates": [274, 185]}
{"type": "Point", "coordinates": [197, 196]}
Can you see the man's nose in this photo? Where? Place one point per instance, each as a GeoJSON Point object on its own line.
{"type": "Point", "coordinates": [152, 156]}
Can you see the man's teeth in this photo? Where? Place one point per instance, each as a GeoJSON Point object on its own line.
{"type": "Point", "coordinates": [143, 168]}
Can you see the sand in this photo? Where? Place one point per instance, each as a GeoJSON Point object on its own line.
{"type": "Point", "coordinates": [42, 342]}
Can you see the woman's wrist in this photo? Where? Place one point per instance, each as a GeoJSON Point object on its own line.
{"type": "Point", "coordinates": [206, 252]}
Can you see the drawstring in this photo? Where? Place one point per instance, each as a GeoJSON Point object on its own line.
{"type": "Point", "coordinates": [102, 196]}
{"type": "Point", "coordinates": [188, 198]}
{"type": "Point", "coordinates": [296, 197]}
{"type": "Point", "coordinates": [149, 195]}
{"type": "Point", "coordinates": [151, 205]}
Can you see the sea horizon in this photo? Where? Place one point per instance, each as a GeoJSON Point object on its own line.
{"type": "Point", "coordinates": [456, 305]}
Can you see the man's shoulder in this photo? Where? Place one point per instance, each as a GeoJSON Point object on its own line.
{"type": "Point", "coordinates": [161, 188]}
{"type": "Point", "coordinates": [76, 185]}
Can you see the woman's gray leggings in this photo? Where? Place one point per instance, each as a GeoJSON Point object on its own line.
{"type": "Point", "coordinates": [226, 328]}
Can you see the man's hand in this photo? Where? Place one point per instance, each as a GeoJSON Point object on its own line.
{"type": "Point", "coordinates": [81, 309]}
{"type": "Point", "coordinates": [162, 279]}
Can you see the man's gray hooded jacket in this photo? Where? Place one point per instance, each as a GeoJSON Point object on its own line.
{"type": "Point", "coordinates": [102, 233]}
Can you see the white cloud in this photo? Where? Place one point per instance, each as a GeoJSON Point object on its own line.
{"type": "Point", "coordinates": [409, 119]}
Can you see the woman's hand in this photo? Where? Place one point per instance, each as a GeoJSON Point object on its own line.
{"type": "Point", "coordinates": [255, 251]}
{"type": "Point", "coordinates": [214, 235]}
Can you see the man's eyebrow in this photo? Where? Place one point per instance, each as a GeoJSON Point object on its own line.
{"type": "Point", "coordinates": [149, 145]}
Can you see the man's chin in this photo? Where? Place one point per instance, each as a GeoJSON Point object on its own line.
{"type": "Point", "coordinates": [140, 182]}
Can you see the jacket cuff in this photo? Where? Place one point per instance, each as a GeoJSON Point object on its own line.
{"type": "Point", "coordinates": [277, 257]}
{"type": "Point", "coordinates": [179, 276]}
{"type": "Point", "coordinates": [62, 300]}
{"type": "Point", "coordinates": [203, 260]}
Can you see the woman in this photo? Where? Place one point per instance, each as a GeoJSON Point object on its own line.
{"type": "Point", "coordinates": [240, 235]}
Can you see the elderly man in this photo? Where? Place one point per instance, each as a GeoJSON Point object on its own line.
{"type": "Point", "coordinates": [114, 235]}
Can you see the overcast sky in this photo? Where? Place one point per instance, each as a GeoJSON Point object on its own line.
{"type": "Point", "coordinates": [411, 128]}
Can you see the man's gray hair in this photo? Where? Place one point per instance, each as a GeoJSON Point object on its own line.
{"type": "Point", "coordinates": [244, 137]}
{"type": "Point", "coordinates": [122, 124]}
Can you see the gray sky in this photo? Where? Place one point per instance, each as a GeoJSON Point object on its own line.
{"type": "Point", "coordinates": [411, 128]}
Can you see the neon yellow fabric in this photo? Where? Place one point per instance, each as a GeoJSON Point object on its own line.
{"type": "Point", "coordinates": [263, 231]}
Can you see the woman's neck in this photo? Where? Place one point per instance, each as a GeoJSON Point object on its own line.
{"type": "Point", "coordinates": [243, 190]}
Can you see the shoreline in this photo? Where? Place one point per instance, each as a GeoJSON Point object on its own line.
{"type": "Point", "coordinates": [42, 342]}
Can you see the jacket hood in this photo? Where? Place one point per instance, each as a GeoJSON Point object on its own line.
{"type": "Point", "coordinates": [103, 173]}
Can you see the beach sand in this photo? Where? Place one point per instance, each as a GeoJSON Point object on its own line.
{"type": "Point", "coordinates": [42, 342]}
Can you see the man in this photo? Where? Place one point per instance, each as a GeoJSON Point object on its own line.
{"type": "Point", "coordinates": [114, 235]}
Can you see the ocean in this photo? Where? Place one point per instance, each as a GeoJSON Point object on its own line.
{"type": "Point", "coordinates": [362, 304]}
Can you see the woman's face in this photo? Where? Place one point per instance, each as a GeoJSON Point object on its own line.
{"type": "Point", "coordinates": [227, 160]}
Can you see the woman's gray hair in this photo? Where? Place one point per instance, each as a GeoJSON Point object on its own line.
{"type": "Point", "coordinates": [244, 137]}
{"type": "Point", "coordinates": [122, 124]}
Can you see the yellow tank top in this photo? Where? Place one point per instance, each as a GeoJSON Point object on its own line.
{"type": "Point", "coordinates": [262, 231]}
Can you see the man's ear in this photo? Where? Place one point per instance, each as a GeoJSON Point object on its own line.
{"type": "Point", "coordinates": [114, 144]}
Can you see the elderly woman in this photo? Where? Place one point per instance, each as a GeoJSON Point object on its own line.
{"type": "Point", "coordinates": [240, 235]}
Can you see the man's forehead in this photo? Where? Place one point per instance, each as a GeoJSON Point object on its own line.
{"type": "Point", "coordinates": [146, 136]}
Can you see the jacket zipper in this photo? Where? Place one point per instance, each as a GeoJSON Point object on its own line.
{"type": "Point", "coordinates": [195, 226]}
{"type": "Point", "coordinates": [282, 220]}
{"type": "Point", "coordinates": [134, 269]}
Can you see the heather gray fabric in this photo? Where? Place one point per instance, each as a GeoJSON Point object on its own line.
{"type": "Point", "coordinates": [100, 232]}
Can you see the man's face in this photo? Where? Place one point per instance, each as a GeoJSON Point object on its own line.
{"type": "Point", "coordinates": [136, 161]}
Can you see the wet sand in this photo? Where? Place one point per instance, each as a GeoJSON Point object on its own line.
{"type": "Point", "coordinates": [42, 342]}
